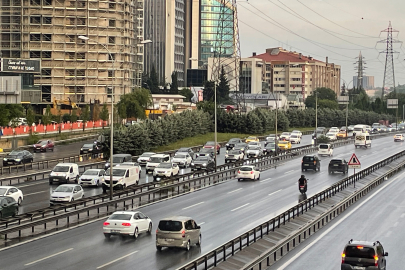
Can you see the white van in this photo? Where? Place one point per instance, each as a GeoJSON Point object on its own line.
{"type": "Point", "coordinates": [156, 160]}
{"type": "Point", "coordinates": [360, 129]}
{"type": "Point", "coordinates": [325, 149]}
{"type": "Point", "coordinates": [64, 172]}
{"type": "Point", "coordinates": [123, 176]}
{"type": "Point", "coordinates": [362, 139]}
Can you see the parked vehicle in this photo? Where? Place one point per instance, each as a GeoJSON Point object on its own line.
{"type": "Point", "coordinates": [155, 160]}
{"type": "Point", "coordinates": [248, 172]}
{"type": "Point", "coordinates": [64, 172]}
{"type": "Point", "coordinates": [118, 158]}
{"type": "Point", "coordinates": [16, 157]}
{"type": "Point", "coordinates": [338, 165]}
{"type": "Point", "coordinates": [92, 177]}
{"type": "Point", "coordinates": [127, 223]}
{"type": "Point", "coordinates": [231, 143]}
{"type": "Point", "coordinates": [43, 146]}
{"type": "Point", "coordinates": [145, 158]}
{"type": "Point", "coordinates": [8, 207]}
{"type": "Point", "coordinates": [122, 177]}
{"type": "Point", "coordinates": [67, 193]}
{"type": "Point", "coordinates": [12, 192]}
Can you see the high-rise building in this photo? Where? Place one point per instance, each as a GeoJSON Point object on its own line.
{"type": "Point", "coordinates": [165, 27]}
{"type": "Point", "coordinates": [367, 82]}
{"type": "Point", "coordinates": [74, 68]}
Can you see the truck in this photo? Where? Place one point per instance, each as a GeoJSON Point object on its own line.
{"type": "Point", "coordinates": [362, 140]}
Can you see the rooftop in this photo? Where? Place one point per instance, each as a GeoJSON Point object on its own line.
{"type": "Point", "coordinates": [280, 54]}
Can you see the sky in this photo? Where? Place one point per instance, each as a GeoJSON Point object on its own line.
{"type": "Point", "coordinates": [337, 29]}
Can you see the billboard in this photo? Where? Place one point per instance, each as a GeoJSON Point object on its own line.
{"type": "Point", "coordinates": [20, 65]}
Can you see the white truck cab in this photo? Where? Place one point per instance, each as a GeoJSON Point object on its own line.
{"type": "Point", "coordinates": [64, 172]}
{"type": "Point", "coordinates": [362, 140]}
{"type": "Point", "coordinates": [122, 176]}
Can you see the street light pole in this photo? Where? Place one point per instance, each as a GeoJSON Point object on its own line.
{"type": "Point", "coordinates": [215, 123]}
{"type": "Point", "coordinates": [316, 118]}
{"type": "Point", "coordinates": [276, 123]}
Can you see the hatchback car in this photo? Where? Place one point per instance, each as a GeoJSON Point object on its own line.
{"type": "Point", "coordinates": [203, 163]}
{"type": "Point", "coordinates": [363, 255]}
{"type": "Point", "coordinates": [398, 138]}
{"type": "Point", "coordinates": [144, 158]}
{"type": "Point", "coordinates": [67, 193]}
{"type": "Point", "coordinates": [187, 150]}
{"type": "Point", "coordinates": [211, 145]}
{"type": "Point", "coordinates": [18, 157]}
{"type": "Point", "coordinates": [87, 148]}
{"type": "Point", "coordinates": [92, 177]}
{"type": "Point", "coordinates": [8, 207]}
{"type": "Point", "coordinates": [127, 223]}
{"type": "Point", "coordinates": [12, 192]}
{"type": "Point", "coordinates": [178, 231]}
{"type": "Point", "coordinates": [248, 172]}
{"type": "Point", "coordinates": [43, 146]}
{"type": "Point", "coordinates": [310, 162]}
{"type": "Point", "coordinates": [231, 143]}
{"type": "Point", "coordinates": [338, 165]}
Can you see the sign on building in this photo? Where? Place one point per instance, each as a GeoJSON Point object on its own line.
{"type": "Point", "coordinates": [20, 65]}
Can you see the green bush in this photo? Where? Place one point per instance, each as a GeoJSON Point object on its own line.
{"type": "Point", "coordinates": [33, 138]}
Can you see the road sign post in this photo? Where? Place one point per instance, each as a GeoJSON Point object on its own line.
{"type": "Point", "coordinates": [354, 163]}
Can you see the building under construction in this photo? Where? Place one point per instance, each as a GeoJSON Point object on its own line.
{"type": "Point", "coordinates": [83, 70]}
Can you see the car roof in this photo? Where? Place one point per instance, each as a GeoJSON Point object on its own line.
{"type": "Point", "coordinates": [248, 166]}
{"type": "Point", "coordinates": [65, 164]}
{"type": "Point", "coordinates": [125, 212]}
{"type": "Point", "coordinates": [121, 155]}
{"type": "Point", "coordinates": [94, 170]}
{"type": "Point", "coordinates": [69, 185]}
{"type": "Point", "coordinates": [359, 242]}
{"type": "Point", "coordinates": [310, 155]}
{"type": "Point", "coordinates": [337, 159]}
{"type": "Point", "coordinates": [177, 218]}
{"type": "Point", "coordinates": [184, 148]}
{"type": "Point", "coordinates": [8, 187]}
{"type": "Point", "coordinates": [149, 153]}
{"type": "Point", "coordinates": [160, 155]}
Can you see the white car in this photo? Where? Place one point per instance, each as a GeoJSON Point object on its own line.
{"type": "Point", "coordinates": [234, 155]}
{"type": "Point", "coordinates": [254, 151]}
{"type": "Point", "coordinates": [132, 164]}
{"type": "Point", "coordinates": [325, 149]}
{"type": "Point", "coordinates": [144, 158]}
{"type": "Point", "coordinates": [127, 223]}
{"type": "Point", "coordinates": [331, 136]}
{"type": "Point", "coordinates": [333, 130]}
{"type": "Point", "coordinates": [12, 192]}
{"type": "Point", "coordinates": [398, 138]}
{"type": "Point", "coordinates": [67, 193]}
{"type": "Point", "coordinates": [295, 138]}
{"type": "Point", "coordinates": [272, 137]}
{"type": "Point", "coordinates": [297, 132]}
{"type": "Point", "coordinates": [285, 136]}
{"type": "Point", "coordinates": [254, 144]}
{"type": "Point", "coordinates": [92, 177]}
{"type": "Point", "coordinates": [248, 172]}
{"type": "Point", "coordinates": [165, 169]}
{"type": "Point", "coordinates": [182, 159]}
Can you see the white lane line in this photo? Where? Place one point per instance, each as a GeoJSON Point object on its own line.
{"type": "Point", "coordinates": [239, 207]}
{"type": "Point", "coordinates": [120, 258]}
{"type": "Point", "coordinates": [287, 263]}
{"type": "Point", "coordinates": [289, 172]}
{"type": "Point", "coordinates": [192, 205]}
{"type": "Point", "coordinates": [50, 256]}
{"type": "Point", "coordinates": [395, 224]}
{"type": "Point", "coordinates": [234, 190]}
{"type": "Point", "coordinates": [275, 192]}
{"type": "Point", "coordinates": [264, 180]}
{"type": "Point", "coordinates": [388, 234]}
{"type": "Point", "coordinates": [35, 193]}
{"type": "Point", "coordinates": [202, 223]}
{"type": "Point", "coordinates": [403, 215]}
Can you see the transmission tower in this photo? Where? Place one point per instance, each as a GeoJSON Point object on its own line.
{"type": "Point", "coordinates": [360, 70]}
{"type": "Point", "coordinates": [389, 75]}
{"type": "Point", "coordinates": [227, 44]}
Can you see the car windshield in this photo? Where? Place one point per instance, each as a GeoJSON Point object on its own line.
{"type": "Point", "coordinates": [63, 189]}
{"type": "Point", "coordinates": [246, 169]}
{"type": "Point", "coordinates": [294, 136]}
{"type": "Point", "coordinates": [254, 147]}
{"type": "Point", "coordinates": [251, 138]}
{"type": "Point", "coordinates": [179, 156]}
{"type": "Point", "coordinates": [206, 150]}
{"type": "Point", "coordinates": [3, 191]}
{"type": "Point", "coordinates": [241, 145]}
{"type": "Point", "coordinates": [295, 131]}
{"type": "Point", "coordinates": [271, 145]}
{"type": "Point", "coordinates": [335, 161]}
{"type": "Point", "coordinates": [90, 172]}
{"type": "Point", "coordinates": [210, 143]}
{"type": "Point", "coordinates": [285, 133]}
{"type": "Point", "coordinates": [234, 140]}
{"type": "Point", "coordinates": [183, 150]}
{"type": "Point", "coordinates": [323, 146]}
{"type": "Point", "coordinates": [272, 136]}
{"type": "Point", "coordinates": [147, 154]}
{"type": "Point", "coordinates": [155, 159]}
{"type": "Point", "coordinates": [170, 225]}
{"type": "Point", "coordinates": [330, 134]}
{"type": "Point", "coordinates": [202, 159]}
{"type": "Point", "coordinates": [164, 165]}
{"type": "Point", "coordinates": [120, 217]}
{"type": "Point", "coordinates": [41, 142]}
{"type": "Point", "coordinates": [61, 169]}
{"type": "Point", "coordinates": [234, 152]}
{"type": "Point", "coordinates": [283, 142]}
{"type": "Point", "coordinates": [306, 159]}
{"type": "Point", "coordinates": [116, 172]}
{"type": "Point", "coordinates": [88, 146]}
{"type": "Point", "coordinates": [360, 252]}
{"type": "Point", "coordinates": [118, 159]}
{"type": "Point", "coordinates": [15, 153]}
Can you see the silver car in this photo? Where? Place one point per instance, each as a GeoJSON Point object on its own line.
{"type": "Point", "coordinates": [67, 193]}
{"type": "Point", "coordinates": [178, 231]}
{"type": "Point", "coordinates": [254, 151]}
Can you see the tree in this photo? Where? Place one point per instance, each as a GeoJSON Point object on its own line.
{"type": "Point", "coordinates": [46, 119]}
{"type": "Point", "coordinates": [73, 116]}
{"type": "Point", "coordinates": [10, 112]}
{"type": "Point", "coordinates": [30, 117]}
{"type": "Point", "coordinates": [85, 115]}
{"type": "Point", "coordinates": [323, 94]}
{"type": "Point", "coordinates": [134, 104]}
{"type": "Point", "coordinates": [223, 88]}
{"type": "Point", "coordinates": [208, 91]}
{"type": "Point", "coordinates": [153, 81]}
{"type": "Point", "coordinates": [174, 86]}
{"type": "Point", "coordinates": [187, 93]}
{"type": "Point", "coordinates": [104, 114]}
{"type": "Point", "coordinates": [96, 112]}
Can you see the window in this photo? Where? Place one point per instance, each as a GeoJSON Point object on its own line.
{"type": "Point", "coordinates": [70, 72]}
{"type": "Point", "coordinates": [111, 56]}
{"type": "Point", "coordinates": [35, 37]}
{"type": "Point", "coordinates": [47, 20]}
{"type": "Point", "coordinates": [15, 54]}
{"type": "Point", "coordinates": [72, 21]}
{"type": "Point", "coordinates": [71, 38]}
{"type": "Point", "coordinates": [111, 5]}
{"type": "Point", "coordinates": [81, 21]}
{"type": "Point", "coordinates": [46, 54]}
{"type": "Point", "coordinates": [81, 72]}
{"type": "Point", "coordinates": [35, 2]}
{"type": "Point", "coordinates": [111, 23]}
{"type": "Point", "coordinates": [188, 225]}
{"type": "Point", "coordinates": [35, 20]}
{"type": "Point", "coordinates": [81, 55]}
{"type": "Point", "coordinates": [46, 93]}
{"type": "Point", "coordinates": [111, 40]}
{"type": "Point", "coordinates": [35, 54]}
{"type": "Point", "coordinates": [46, 72]}
{"type": "Point", "coordinates": [47, 3]}
{"type": "Point", "coordinates": [47, 37]}
{"type": "Point", "coordinates": [111, 73]}
{"type": "Point", "coordinates": [70, 55]}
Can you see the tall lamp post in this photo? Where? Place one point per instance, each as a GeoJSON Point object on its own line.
{"type": "Point", "coordinates": [347, 104]}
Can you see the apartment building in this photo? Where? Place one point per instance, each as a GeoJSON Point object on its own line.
{"type": "Point", "coordinates": [110, 57]}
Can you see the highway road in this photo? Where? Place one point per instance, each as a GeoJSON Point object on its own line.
{"type": "Point", "coordinates": [378, 216]}
{"type": "Point", "coordinates": [40, 195]}
{"type": "Point", "coordinates": [224, 212]}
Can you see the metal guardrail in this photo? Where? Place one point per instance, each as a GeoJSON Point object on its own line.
{"type": "Point", "coordinates": [221, 253]}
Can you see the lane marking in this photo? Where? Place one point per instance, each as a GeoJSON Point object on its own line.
{"type": "Point", "coordinates": [234, 190]}
{"type": "Point", "coordinates": [388, 234]}
{"type": "Point", "coordinates": [34, 193]}
{"type": "Point", "coordinates": [395, 224]}
{"type": "Point", "coordinates": [275, 192]}
{"type": "Point", "coordinates": [239, 207]}
{"type": "Point", "coordinates": [264, 180]}
{"type": "Point", "coordinates": [403, 215]}
{"type": "Point", "coordinates": [289, 172]}
{"type": "Point", "coordinates": [120, 258]}
{"type": "Point", "coordinates": [50, 256]}
{"type": "Point", "coordinates": [287, 263]}
{"type": "Point", "coordinates": [192, 205]}
{"type": "Point", "coordinates": [201, 223]}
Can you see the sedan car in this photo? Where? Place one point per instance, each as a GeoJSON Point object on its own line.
{"type": "Point", "coordinates": [12, 192]}
{"type": "Point", "coordinates": [182, 159]}
{"type": "Point", "coordinates": [87, 148]}
{"type": "Point", "coordinates": [284, 145]}
{"type": "Point", "coordinates": [8, 207]}
{"type": "Point", "coordinates": [297, 132]}
{"type": "Point", "coordinates": [331, 136]}
{"type": "Point", "coordinates": [130, 223]}
{"type": "Point", "coordinates": [272, 137]}
{"type": "Point", "coordinates": [165, 169]}
{"type": "Point", "coordinates": [295, 138]}
{"type": "Point", "coordinates": [203, 162]}
{"type": "Point", "coordinates": [248, 172]}
{"type": "Point", "coordinates": [187, 150]}
{"type": "Point", "coordinates": [206, 152]}
{"type": "Point", "coordinates": [67, 193]}
{"type": "Point", "coordinates": [145, 157]}
{"type": "Point", "coordinates": [285, 136]}
{"type": "Point", "coordinates": [92, 177]}
{"type": "Point", "coordinates": [231, 143]}
{"type": "Point", "coordinates": [254, 151]}
{"type": "Point", "coordinates": [251, 139]}
{"type": "Point", "coordinates": [234, 155]}
{"type": "Point", "coordinates": [43, 146]}
{"type": "Point", "coordinates": [18, 157]}
{"type": "Point", "coordinates": [240, 146]}
{"type": "Point", "coordinates": [398, 138]}
{"type": "Point", "coordinates": [211, 145]}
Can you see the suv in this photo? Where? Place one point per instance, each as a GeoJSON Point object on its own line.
{"type": "Point", "coordinates": [155, 160]}
{"type": "Point", "coordinates": [231, 143]}
{"type": "Point", "coordinates": [310, 162]}
{"type": "Point", "coordinates": [178, 231]}
{"type": "Point", "coordinates": [363, 255]}
{"type": "Point", "coordinates": [338, 165]}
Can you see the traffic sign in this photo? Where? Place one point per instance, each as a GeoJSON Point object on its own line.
{"type": "Point", "coordinates": [354, 162]}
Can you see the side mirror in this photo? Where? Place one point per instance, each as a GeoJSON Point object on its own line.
{"type": "Point", "coordinates": [75, 191]}
{"type": "Point", "coordinates": [199, 227]}
{"type": "Point", "coordinates": [386, 254]}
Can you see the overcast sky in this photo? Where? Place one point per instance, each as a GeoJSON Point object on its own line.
{"type": "Point", "coordinates": [340, 30]}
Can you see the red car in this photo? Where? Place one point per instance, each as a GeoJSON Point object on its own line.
{"type": "Point", "coordinates": [44, 145]}
{"type": "Point", "coordinates": [211, 144]}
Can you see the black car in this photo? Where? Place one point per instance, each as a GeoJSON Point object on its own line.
{"type": "Point", "coordinates": [203, 162]}
{"type": "Point", "coordinates": [206, 152]}
{"type": "Point", "coordinates": [363, 255]}
{"type": "Point", "coordinates": [310, 162]}
{"type": "Point", "coordinates": [271, 148]}
{"type": "Point", "coordinates": [117, 159]}
{"type": "Point", "coordinates": [8, 207]}
{"type": "Point", "coordinates": [186, 150]}
{"type": "Point", "coordinates": [231, 143]}
{"type": "Point", "coordinates": [338, 165]}
{"type": "Point", "coordinates": [88, 148]}
{"type": "Point", "coordinates": [18, 157]}
{"type": "Point", "coordinates": [319, 131]}
{"type": "Point", "coordinates": [241, 146]}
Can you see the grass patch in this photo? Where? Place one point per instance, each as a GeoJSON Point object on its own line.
{"type": "Point", "coordinates": [302, 129]}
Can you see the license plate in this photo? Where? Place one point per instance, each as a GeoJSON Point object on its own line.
{"type": "Point", "coordinates": [169, 240]}
{"type": "Point", "coordinates": [336, 165]}
{"type": "Point", "coordinates": [84, 151]}
{"type": "Point", "coordinates": [358, 267]}
{"type": "Point", "coordinates": [306, 164]}
{"type": "Point", "coordinates": [115, 231]}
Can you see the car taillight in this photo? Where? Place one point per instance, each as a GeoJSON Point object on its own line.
{"type": "Point", "coordinates": [183, 233]}
{"type": "Point", "coordinates": [343, 257]}
{"type": "Point", "coordinates": [314, 162]}
{"type": "Point", "coordinates": [238, 171]}
{"type": "Point", "coordinates": [156, 231]}
{"type": "Point", "coordinates": [251, 172]}
{"type": "Point", "coordinates": [106, 223]}
{"type": "Point", "coordinates": [126, 224]}
{"type": "Point", "coordinates": [376, 260]}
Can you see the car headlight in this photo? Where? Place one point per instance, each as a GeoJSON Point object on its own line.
{"type": "Point", "coordinates": [4, 159]}
{"type": "Point", "coordinates": [120, 180]}
{"type": "Point", "coordinates": [204, 164]}
{"type": "Point", "coordinates": [81, 149]}
{"type": "Point", "coordinates": [226, 156]}
{"type": "Point", "coordinates": [227, 144]}
{"type": "Point", "coordinates": [67, 197]}
{"type": "Point", "coordinates": [90, 149]}
{"type": "Point", "coordinates": [18, 159]}
{"type": "Point", "coordinates": [43, 146]}
{"type": "Point", "coordinates": [138, 160]}
{"type": "Point", "coordinates": [192, 164]}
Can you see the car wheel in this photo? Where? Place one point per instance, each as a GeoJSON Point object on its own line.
{"type": "Point", "coordinates": [77, 179]}
{"type": "Point", "coordinates": [50, 182]}
{"type": "Point", "coordinates": [72, 200]}
{"type": "Point", "coordinates": [330, 172]}
{"type": "Point", "coordinates": [199, 240]}
{"type": "Point", "coordinates": [53, 149]}
{"type": "Point", "coordinates": [219, 151]}
{"type": "Point", "coordinates": [188, 245]}
{"type": "Point", "coordinates": [19, 201]}
{"type": "Point", "coordinates": [15, 212]}
{"type": "Point", "coordinates": [259, 177]}
{"type": "Point", "coordinates": [150, 228]}
{"type": "Point", "coordinates": [171, 175]}
{"type": "Point", "coordinates": [159, 248]}
{"type": "Point", "coordinates": [136, 233]}
{"type": "Point", "coordinates": [238, 179]}
{"type": "Point", "coordinates": [107, 235]}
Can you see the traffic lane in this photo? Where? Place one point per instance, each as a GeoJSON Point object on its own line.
{"type": "Point", "coordinates": [380, 218]}
{"type": "Point", "coordinates": [224, 212]}
{"type": "Point", "coordinates": [36, 196]}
